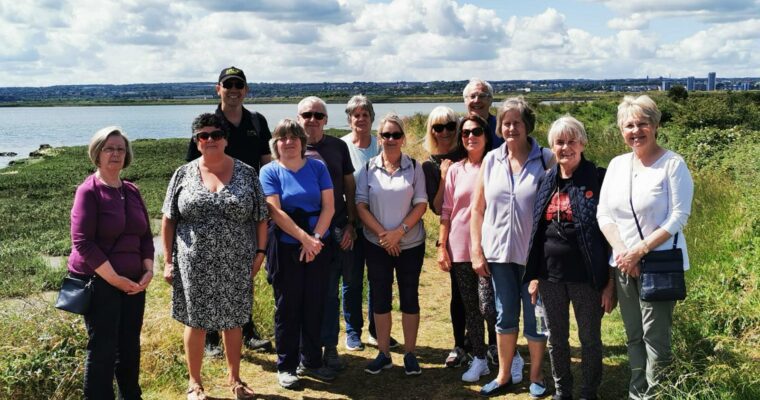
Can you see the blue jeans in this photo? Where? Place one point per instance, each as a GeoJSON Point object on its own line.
{"type": "Point", "coordinates": [508, 292]}
{"type": "Point", "coordinates": [353, 287]}
{"type": "Point", "coordinates": [341, 264]}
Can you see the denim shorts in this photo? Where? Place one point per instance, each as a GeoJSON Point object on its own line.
{"type": "Point", "coordinates": [509, 291]}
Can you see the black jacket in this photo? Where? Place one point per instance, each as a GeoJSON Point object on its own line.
{"type": "Point", "coordinates": [584, 198]}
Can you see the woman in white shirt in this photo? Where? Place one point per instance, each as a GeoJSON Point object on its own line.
{"type": "Point", "coordinates": [657, 184]}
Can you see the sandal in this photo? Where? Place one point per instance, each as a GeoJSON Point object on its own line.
{"type": "Point", "coordinates": [242, 392]}
{"type": "Point", "coordinates": [196, 392]}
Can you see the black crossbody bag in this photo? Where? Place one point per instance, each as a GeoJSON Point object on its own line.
{"type": "Point", "coordinates": [662, 275]}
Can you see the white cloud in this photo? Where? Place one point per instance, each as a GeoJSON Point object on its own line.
{"type": "Point", "coordinates": [635, 21]}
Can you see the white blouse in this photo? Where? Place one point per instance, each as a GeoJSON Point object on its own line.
{"type": "Point", "coordinates": [662, 195]}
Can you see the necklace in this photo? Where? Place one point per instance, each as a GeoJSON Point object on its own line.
{"type": "Point", "coordinates": [391, 167]}
{"type": "Point", "coordinates": [119, 189]}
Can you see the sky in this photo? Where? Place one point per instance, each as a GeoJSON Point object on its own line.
{"type": "Point", "coordinates": [60, 42]}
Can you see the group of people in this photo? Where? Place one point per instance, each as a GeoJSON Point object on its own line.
{"type": "Point", "coordinates": [520, 225]}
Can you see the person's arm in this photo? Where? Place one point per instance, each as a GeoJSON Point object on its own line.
{"type": "Point", "coordinates": [349, 188]}
{"type": "Point", "coordinates": [327, 212]}
{"type": "Point", "coordinates": [168, 229]}
{"type": "Point", "coordinates": [444, 261]}
{"type": "Point", "coordinates": [437, 202]}
{"type": "Point", "coordinates": [609, 295]}
{"type": "Point", "coordinates": [261, 244]}
{"type": "Point", "coordinates": [310, 244]}
{"type": "Point", "coordinates": [419, 201]}
{"type": "Point", "coordinates": [147, 250]}
{"type": "Point", "coordinates": [477, 212]}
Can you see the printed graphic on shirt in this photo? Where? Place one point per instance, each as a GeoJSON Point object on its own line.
{"type": "Point", "coordinates": [559, 208]}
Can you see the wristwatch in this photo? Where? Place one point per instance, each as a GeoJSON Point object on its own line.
{"type": "Point", "coordinates": [317, 236]}
{"type": "Point", "coordinates": [405, 227]}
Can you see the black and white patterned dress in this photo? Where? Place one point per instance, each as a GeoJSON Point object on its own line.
{"type": "Point", "coordinates": [214, 246]}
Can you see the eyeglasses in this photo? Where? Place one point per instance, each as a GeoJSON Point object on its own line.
{"type": "Point", "coordinates": [480, 96]}
{"type": "Point", "coordinates": [216, 135]}
{"type": "Point", "coordinates": [394, 135]}
{"type": "Point", "coordinates": [317, 115]}
{"type": "Point", "coordinates": [237, 83]}
{"type": "Point", "coordinates": [472, 132]}
{"type": "Point", "coordinates": [111, 150]}
{"type": "Point", "coordinates": [450, 126]}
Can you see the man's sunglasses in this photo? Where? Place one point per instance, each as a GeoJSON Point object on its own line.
{"type": "Point", "coordinates": [440, 127]}
{"type": "Point", "coordinates": [216, 135]}
{"type": "Point", "coordinates": [237, 83]}
{"type": "Point", "coordinates": [317, 115]}
{"type": "Point", "coordinates": [395, 135]}
{"type": "Point", "coordinates": [472, 132]}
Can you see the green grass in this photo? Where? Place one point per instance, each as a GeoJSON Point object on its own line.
{"type": "Point", "coordinates": [716, 329]}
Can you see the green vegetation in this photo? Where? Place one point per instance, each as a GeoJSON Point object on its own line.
{"type": "Point", "coordinates": [716, 331]}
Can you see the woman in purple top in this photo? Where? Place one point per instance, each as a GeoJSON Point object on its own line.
{"type": "Point", "coordinates": [454, 236]}
{"type": "Point", "coordinates": [112, 243]}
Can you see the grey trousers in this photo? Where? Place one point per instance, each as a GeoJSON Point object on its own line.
{"type": "Point", "coordinates": [587, 305]}
{"type": "Point", "coordinates": [648, 326]}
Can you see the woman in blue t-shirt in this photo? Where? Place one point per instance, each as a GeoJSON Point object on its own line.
{"type": "Point", "coordinates": [299, 196]}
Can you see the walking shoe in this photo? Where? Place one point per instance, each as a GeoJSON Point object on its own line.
{"type": "Point", "coordinates": [332, 359]}
{"type": "Point", "coordinates": [517, 368]}
{"type": "Point", "coordinates": [372, 341]}
{"type": "Point", "coordinates": [354, 342]}
{"type": "Point", "coordinates": [258, 344]}
{"type": "Point", "coordinates": [213, 350]}
{"type": "Point", "coordinates": [493, 355]}
{"type": "Point", "coordinates": [322, 373]}
{"type": "Point", "coordinates": [537, 390]}
{"type": "Point", "coordinates": [455, 358]}
{"type": "Point", "coordinates": [380, 363]}
{"type": "Point", "coordinates": [287, 379]}
{"type": "Point", "coordinates": [411, 366]}
{"type": "Point", "coordinates": [478, 368]}
{"type": "Point", "coordinates": [493, 388]}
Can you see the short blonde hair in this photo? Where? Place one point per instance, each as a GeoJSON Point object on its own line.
{"type": "Point", "coordinates": [391, 117]}
{"type": "Point", "coordinates": [284, 127]}
{"type": "Point", "coordinates": [98, 141]}
{"type": "Point", "coordinates": [638, 106]}
{"type": "Point", "coordinates": [527, 114]}
{"type": "Point", "coordinates": [439, 115]}
{"type": "Point", "coordinates": [569, 126]}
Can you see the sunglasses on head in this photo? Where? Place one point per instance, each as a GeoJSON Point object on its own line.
{"type": "Point", "coordinates": [440, 127]}
{"type": "Point", "coordinates": [395, 135]}
{"type": "Point", "coordinates": [472, 132]}
{"type": "Point", "coordinates": [216, 135]}
{"type": "Point", "coordinates": [317, 115]}
{"type": "Point", "coordinates": [237, 83]}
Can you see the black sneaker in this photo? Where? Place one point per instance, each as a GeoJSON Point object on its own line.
{"type": "Point", "coordinates": [380, 363]}
{"type": "Point", "coordinates": [258, 344]}
{"type": "Point", "coordinates": [322, 373]}
{"type": "Point", "coordinates": [411, 366]}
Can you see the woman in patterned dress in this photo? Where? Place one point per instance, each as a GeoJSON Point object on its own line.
{"type": "Point", "coordinates": [214, 217]}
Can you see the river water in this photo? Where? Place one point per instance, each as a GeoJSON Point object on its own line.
{"type": "Point", "coordinates": [23, 129]}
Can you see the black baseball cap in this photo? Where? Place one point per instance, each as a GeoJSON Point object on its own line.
{"type": "Point", "coordinates": [232, 72]}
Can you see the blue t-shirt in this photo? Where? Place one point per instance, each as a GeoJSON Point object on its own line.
{"type": "Point", "coordinates": [301, 189]}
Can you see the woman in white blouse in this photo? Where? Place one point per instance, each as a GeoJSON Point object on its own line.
{"type": "Point", "coordinates": [657, 184]}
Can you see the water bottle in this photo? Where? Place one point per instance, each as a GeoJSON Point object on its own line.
{"type": "Point", "coordinates": [540, 318]}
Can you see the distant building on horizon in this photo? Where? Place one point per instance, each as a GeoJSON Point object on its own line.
{"type": "Point", "coordinates": [665, 85]}
{"type": "Point", "coordinates": [711, 81]}
{"type": "Point", "coordinates": [690, 83]}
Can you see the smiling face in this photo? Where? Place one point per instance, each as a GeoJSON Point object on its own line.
{"type": "Point", "coordinates": [639, 133]}
{"type": "Point", "coordinates": [568, 149]}
{"type": "Point", "coordinates": [232, 95]}
{"type": "Point", "coordinates": [513, 127]}
{"type": "Point", "coordinates": [313, 126]}
{"type": "Point", "coordinates": [478, 101]}
{"type": "Point", "coordinates": [444, 131]}
{"type": "Point", "coordinates": [289, 147]}
{"type": "Point", "coordinates": [113, 154]}
{"type": "Point", "coordinates": [390, 143]}
{"type": "Point", "coordinates": [360, 121]}
{"type": "Point", "coordinates": [472, 143]}
{"type": "Point", "coordinates": [210, 147]}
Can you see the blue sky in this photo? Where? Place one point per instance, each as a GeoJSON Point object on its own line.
{"type": "Point", "coordinates": [51, 42]}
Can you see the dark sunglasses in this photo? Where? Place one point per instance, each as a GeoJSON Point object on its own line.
{"type": "Point", "coordinates": [216, 135]}
{"type": "Point", "coordinates": [237, 83]}
{"type": "Point", "coordinates": [472, 132]}
{"type": "Point", "coordinates": [440, 127]}
{"type": "Point", "coordinates": [395, 135]}
{"type": "Point", "coordinates": [317, 115]}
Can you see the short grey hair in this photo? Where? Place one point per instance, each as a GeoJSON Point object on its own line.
{"type": "Point", "coordinates": [569, 126]}
{"type": "Point", "coordinates": [284, 127]}
{"type": "Point", "coordinates": [312, 100]}
{"type": "Point", "coordinates": [527, 114]}
{"type": "Point", "coordinates": [98, 141]}
{"type": "Point", "coordinates": [475, 82]}
{"type": "Point", "coordinates": [391, 117]}
{"type": "Point", "coordinates": [360, 101]}
{"type": "Point", "coordinates": [638, 106]}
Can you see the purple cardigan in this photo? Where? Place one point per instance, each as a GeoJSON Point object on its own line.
{"type": "Point", "coordinates": [104, 228]}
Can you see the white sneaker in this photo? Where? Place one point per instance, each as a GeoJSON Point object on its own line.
{"type": "Point", "coordinates": [517, 368]}
{"type": "Point", "coordinates": [478, 368]}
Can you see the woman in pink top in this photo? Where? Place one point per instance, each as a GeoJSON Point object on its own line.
{"type": "Point", "coordinates": [454, 236]}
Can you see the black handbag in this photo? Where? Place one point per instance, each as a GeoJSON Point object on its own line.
{"type": "Point", "coordinates": [662, 277]}
{"type": "Point", "coordinates": [75, 295]}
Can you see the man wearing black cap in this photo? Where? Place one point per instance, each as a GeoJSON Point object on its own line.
{"type": "Point", "coordinates": [248, 141]}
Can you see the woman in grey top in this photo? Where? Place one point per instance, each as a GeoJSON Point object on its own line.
{"type": "Point", "coordinates": [390, 201]}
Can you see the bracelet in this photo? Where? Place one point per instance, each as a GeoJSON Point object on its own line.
{"type": "Point", "coordinates": [438, 243]}
{"type": "Point", "coordinates": [646, 247]}
{"type": "Point", "coordinates": [261, 251]}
